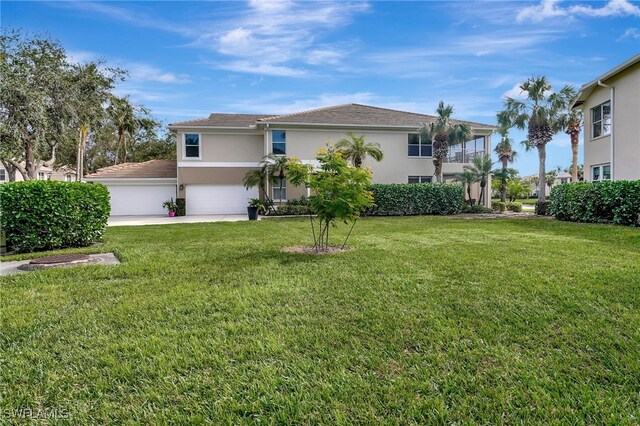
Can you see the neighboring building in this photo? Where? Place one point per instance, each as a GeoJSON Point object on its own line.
{"type": "Point", "coordinates": [138, 188]}
{"type": "Point", "coordinates": [611, 105]}
{"type": "Point", "coordinates": [44, 173]}
{"type": "Point", "coordinates": [561, 178]}
{"type": "Point", "coordinates": [215, 153]}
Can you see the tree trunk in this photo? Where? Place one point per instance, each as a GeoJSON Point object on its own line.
{"type": "Point", "coordinates": [11, 170]}
{"type": "Point", "coordinates": [438, 172]}
{"type": "Point", "coordinates": [542, 156]}
{"type": "Point", "coordinates": [469, 194]}
{"type": "Point", "coordinates": [483, 184]}
{"type": "Point", "coordinates": [574, 159]}
{"type": "Point", "coordinates": [357, 162]}
{"type": "Point", "coordinates": [503, 178]}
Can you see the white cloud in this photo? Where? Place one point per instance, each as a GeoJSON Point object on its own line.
{"type": "Point", "coordinates": [630, 33]}
{"type": "Point", "coordinates": [551, 9]}
{"type": "Point", "coordinates": [145, 72]}
{"type": "Point", "coordinates": [261, 68]}
{"type": "Point", "coordinates": [515, 92]}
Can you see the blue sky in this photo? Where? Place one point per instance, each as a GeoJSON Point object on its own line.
{"type": "Point", "coordinates": [187, 59]}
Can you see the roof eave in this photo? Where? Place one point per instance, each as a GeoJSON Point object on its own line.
{"type": "Point", "coordinates": [368, 126]}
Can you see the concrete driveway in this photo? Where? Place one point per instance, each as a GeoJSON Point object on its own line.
{"type": "Point", "coordinates": [166, 220]}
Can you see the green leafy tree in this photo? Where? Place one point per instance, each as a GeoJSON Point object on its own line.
{"type": "Point", "coordinates": [517, 188]}
{"type": "Point", "coordinates": [127, 119]}
{"type": "Point", "coordinates": [506, 155]}
{"type": "Point", "coordinates": [540, 113]}
{"type": "Point", "coordinates": [356, 149]}
{"type": "Point", "coordinates": [467, 178]}
{"type": "Point", "coordinates": [481, 168]}
{"type": "Point", "coordinates": [443, 132]}
{"type": "Point", "coordinates": [340, 192]}
{"type": "Point", "coordinates": [571, 121]}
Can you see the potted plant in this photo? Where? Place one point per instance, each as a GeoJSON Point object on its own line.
{"type": "Point", "coordinates": [171, 206]}
{"type": "Point", "coordinates": [256, 206]}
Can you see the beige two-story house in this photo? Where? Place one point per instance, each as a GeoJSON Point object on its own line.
{"type": "Point", "coordinates": [215, 153]}
{"type": "Point", "coordinates": [611, 106]}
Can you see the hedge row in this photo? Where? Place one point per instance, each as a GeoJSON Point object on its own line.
{"type": "Point", "coordinates": [416, 199]}
{"type": "Point", "coordinates": [599, 202]}
{"type": "Point", "coordinates": [44, 215]}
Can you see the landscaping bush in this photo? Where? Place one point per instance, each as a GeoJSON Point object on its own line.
{"type": "Point", "coordinates": [514, 207]}
{"type": "Point", "coordinates": [499, 206]}
{"type": "Point", "coordinates": [291, 210]}
{"type": "Point", "coordinates": [182, 207]}
{"type": "Point", "coordinates": [598, 202]}
{"type": "Point", "coordinates": [302, 201]}
{"type": "Point", "coordinates": [44, 215]}
{"type": "Point", "coordinates": [476, 209]}
{"type": "Point", "coordinates": [416, 199]}
{"type": "Point", "coordinates": [542, 208]}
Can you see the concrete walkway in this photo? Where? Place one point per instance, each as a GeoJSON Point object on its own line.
{"type": "Point", "coordinates": [166, 220]}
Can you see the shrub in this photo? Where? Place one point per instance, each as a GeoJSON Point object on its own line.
{"type": "Point", "coordinates": [182, 207]}
{"type": "Point", "coordinates": [542, 208]}
{"type": "Point", "coordinates": [514, 207]}
{"type": "Point", "coordinates": [476, 209]}
{"type": "Point", "coordinates": [291, 210]}
{"type": "Point", "coordinates": [416, 199]}
{"type": "Point", "coordinates": [44, 215]}
{"type": "Point", "coordinates": [302, 201]}
{"type": "Point", "coordinates": [598, 202]}
{"type": "Point", "coordinates": [499, 206]}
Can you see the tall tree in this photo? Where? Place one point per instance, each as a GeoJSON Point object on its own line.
{"type": "Point", "coordinates": [356, 149]}
{"type": "Point", "coordinates": [571, 121]}
{"type": "Point", "coordinates": [481, 168]}
{"type": "Point", "coordinates": [123, 115]}
{"type": "Point", "coordinates": [467, 178]}
{"type": "Point", "coordinates": [443, 133]}
{"type": "Point", "coordinates": [506, 155]}
{"type": "Point", "coordinates": [539, 113]}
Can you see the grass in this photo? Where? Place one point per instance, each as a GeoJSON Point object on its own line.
{"type": "Point", "coordinates": [426, 320]}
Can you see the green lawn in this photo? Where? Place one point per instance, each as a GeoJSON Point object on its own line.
{"type": "Point", "coordinates": [425, 320]}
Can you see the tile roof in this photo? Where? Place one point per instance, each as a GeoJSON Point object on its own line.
{"type": "Point", "coordinates": [224, 120]}
{"type": "Point", "coordinates": [148, 169]}
{"type": "Point", "coordinates": [358, 114]}
{"type": "Point", "coordinates": [346, 114]}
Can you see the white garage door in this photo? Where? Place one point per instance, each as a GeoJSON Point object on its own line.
{"type": "Point", "coordinates": [140, 200]}
{"type": "Point", "coordinates": [218, 199]}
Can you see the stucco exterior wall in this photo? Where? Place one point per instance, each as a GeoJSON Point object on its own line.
{"type": "Point", "coordinates": [209, 175]}
{"type": "Point", "coordinates": [222, 146]}
{"type": "Point", "coordinates": [626, 126]}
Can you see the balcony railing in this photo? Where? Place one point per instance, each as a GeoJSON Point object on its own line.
{"type": "Point", "coordinates": [462, 155]}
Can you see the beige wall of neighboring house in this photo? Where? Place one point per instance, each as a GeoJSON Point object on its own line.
{"type": "Point", "coordinates": [43, 173]}
{"type": "Point", "coordinates": [227, 154]}
{"type": "Point", "coordinates": [620, 138]}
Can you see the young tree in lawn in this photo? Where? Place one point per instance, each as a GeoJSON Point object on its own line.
{"type": "Point", "coordinates": [467, 178]}
{"type": "Point", "coordinates": [444, 133]}
{"type": "Point", "coordinates": [356, 149]}
{"type": "Point", "coordinates": [506, 155]}
{"type": "Point", "coordinates": [480, 168]}
{"type": "Point", "coordinates": [340, 192]}
{"type": "Point", "coordinates": [540, 113]}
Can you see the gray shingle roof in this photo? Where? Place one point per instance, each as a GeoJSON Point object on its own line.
{"type": "Point", "coordinates": [360, 115]}
{"type": "Point", "coordinates": [224, 120]}
{"type": "Point", "coordinates": [346, 114]}
{"type": "Point", "coordinates": [148, 169]}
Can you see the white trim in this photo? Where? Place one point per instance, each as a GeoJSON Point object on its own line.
{"type": "Point", "coordinates": [184, 147]}
{"type": "Point", "coordinates": [218, 164]}
{"type": "Point", "coordinates": [367, 126]}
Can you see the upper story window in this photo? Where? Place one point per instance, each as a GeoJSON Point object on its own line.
{"type": "Point", "coordinates": [279, 142]}
{"type": "Point", "coordinates": [3, 175]}
{"type": "Point", "coordinates": [601, 172]}
{"type": "Point", "coordinates": [192, 145]}
{"type": "Point", "coordinates": [419, 147]}
{"type": "Point", "coordinates": [601, 120]}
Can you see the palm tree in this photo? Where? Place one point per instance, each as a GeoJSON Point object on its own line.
{"type": "Point", "coordinates": [506, 154]}
{"type": "Point", "coordinates": [276, 167]}
{"type": "Point", "coordinates": [257, 177]}
{"type": "Point", "coordinates": [356, 149]}
{"type": "Point", "coordinates": [540, 114]}
{"type": "Point", "coordinates": [123, 115]}
{"type": "Point", "coordinates": [571, 122]}
{"type": "Point", "coordinates": [467, 178]}
{"type": "Point", "coordinates": [481, 168]}
{"type": "Point", "coordinates": [444, 133]}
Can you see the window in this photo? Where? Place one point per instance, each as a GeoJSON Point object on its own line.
{"type": "Point", "coordinates": [420, 179]}
{"type": "Point", "coordinates": [41, 176]}
{"type": "Point", "coordinates": [192, 145]}
{"type": "Point", "coordinates": [601, 172]}
{"type": "Point", "coordinates": [279, 142]}
{"type": "Point", "coordinates": [419, 147]}
{"type": "Point", "coordinates": [601, 120]}
{"type": "Point", "coordinates": [280, 194]}
{"type": "Point", "coordinates": [3, 175]}
{"type": "Point", "coordinates": [68, 177]}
